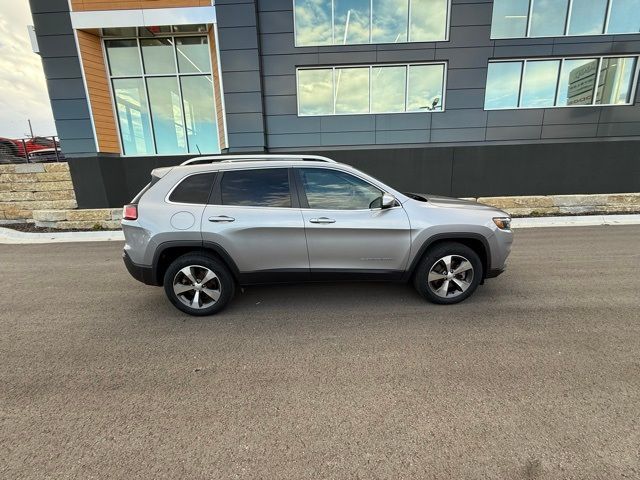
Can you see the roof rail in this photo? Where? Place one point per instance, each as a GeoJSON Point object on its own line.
{"type": "Point", "coordinates": [254, 158]}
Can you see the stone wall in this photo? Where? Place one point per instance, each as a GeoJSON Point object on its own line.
{"type": "Point", "coordinates": [34, 186]}
{"type": "Point", "coordinates": [95, 219]}
{"type": "Point", "coordinates": [543, 206]}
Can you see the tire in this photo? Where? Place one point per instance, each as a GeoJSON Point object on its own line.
{"type": "Point", "coordinates": [184, 286]}
{"type": "Point", "coordinates": [440, 284]}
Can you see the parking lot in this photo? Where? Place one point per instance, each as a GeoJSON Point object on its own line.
{"type": "Point", "coordinates": [536, 376]}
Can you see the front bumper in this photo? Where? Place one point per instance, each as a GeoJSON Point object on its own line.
{"type": "Point", "coordinates": [139, 272]}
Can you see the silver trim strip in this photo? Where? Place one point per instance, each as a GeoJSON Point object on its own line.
{"type": "Point", "coordinates": [142, 17]}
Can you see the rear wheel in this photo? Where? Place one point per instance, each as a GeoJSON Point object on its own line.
{"type": "Point", "coordinates": [198, 284]}
{"type": "Point", "coordinates": [448, 273]}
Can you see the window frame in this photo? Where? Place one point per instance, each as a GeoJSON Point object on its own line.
{"type": "Point", "coordinates": [304, 202]}
{"type": "Point", "coordinates": [567, 24]}
{"type": "Point", "coordinates": [333, 68]}
{"type": "Point", "coordinates": [333, 28]}
{"type": "Point", "coordinates": [143, 76]}
{"type": "Point", "coordinates": [216, 193]}
{"type": "Point", "coordinates": [599, 58]}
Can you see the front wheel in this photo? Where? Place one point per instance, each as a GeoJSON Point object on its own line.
{"type": "Point", "coordinates": [448, 273]}
{"type": "Point", "coordinates": [198, 284]}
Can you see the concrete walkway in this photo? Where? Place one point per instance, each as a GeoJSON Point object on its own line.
{"type": "Point", "coordinates": [9, 236]}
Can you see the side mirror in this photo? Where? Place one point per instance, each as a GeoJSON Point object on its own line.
{"type": "Point", "coordinates": [388, 201]}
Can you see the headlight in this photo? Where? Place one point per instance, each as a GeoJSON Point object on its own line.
{"type": "Point", "coordinates": [503, 223]}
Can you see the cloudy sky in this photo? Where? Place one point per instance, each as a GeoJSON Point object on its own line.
{"type": "Point", "coordinates": [23, 91]}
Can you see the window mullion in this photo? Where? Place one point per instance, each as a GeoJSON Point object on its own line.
{"type": "Point", "coordinates": [568, 21]}
{"type": "Point", "coordinates": [608, 16]}
{"type": "Point", "coordinates": [529, 18]}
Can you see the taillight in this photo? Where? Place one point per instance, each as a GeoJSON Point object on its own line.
{"type": "Point", "coordinates": [130, 212]}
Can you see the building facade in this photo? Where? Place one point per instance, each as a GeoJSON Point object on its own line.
{"type": "Point", "coordinates": [453, 97]}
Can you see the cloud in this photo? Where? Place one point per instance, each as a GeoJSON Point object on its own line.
{"type": "Point", "coordinates": [23, 90]}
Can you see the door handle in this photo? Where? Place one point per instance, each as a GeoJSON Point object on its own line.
{"type": "Point", "coordinates": [222, 219]}
{"type": "Point", "coordinates": [323, 220]}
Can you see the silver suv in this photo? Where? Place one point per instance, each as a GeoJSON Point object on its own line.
{"type": "Point", "coordinates": [215, 223]}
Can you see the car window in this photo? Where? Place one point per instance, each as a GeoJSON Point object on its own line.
{"type": "Point", "coordinates": [334, 190]}
{"type": "Point", "coordinates": [267, 187]}
{"type": "Point", "coordinates": [194, 189]}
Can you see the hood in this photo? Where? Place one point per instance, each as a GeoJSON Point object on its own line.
{"type": "Point", "coordinates": [449, 202]}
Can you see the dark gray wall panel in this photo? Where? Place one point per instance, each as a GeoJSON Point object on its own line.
{"type": "Point", "coordinates": [64, 67]}
{"type": "Point", "coordinates": [629, 129]}
{"type": "Point", "coordinates": [458, 78]}
{"type": "Point", "coordinates": [52, 23]}
{"type": "Point", "coordinates": [280, 85]}
{"type": "Point", "coordinates": [506, 118]}
{"type": "Point", "coordinates": [72, 109]}
{"type": "Point", "coordinates": [281, 105]}
{"type": "Point", "coordinates": [241, 82]}
{"type": "Point", "coordinates": [292, 124]}
{"type": "Point", "coordinates": [237, 38]}
{"type": "Point", "coordinates": [470, 14]}
{"type": "Point", "coordinates": [463, 99]}
{"type": "Point", "coordinates": [391, 137]}
{"type": "Point", "coordinates": [404, 121]}
{"type": "Point", "coordinates": [620, 114]}
{"type": "Point", "coordinates": [57, 46]}
{"type": "Point", "coordinates": [571, 116]}
{"type": "Point", "coordinates": [241, 72]}
{"type": "Point", "coordinates": [514, 133]}
{"type": "Point", "coordinates": [245, 122]}
{"type": "Point", "coordinates": [347, 138]}
{"type": "Point", "coordinates": [459, 118]}
{"type": "Point", "coordinates": [49, 6]}
{"type": "Point", "coordinates": [276, 22]}
{"type": "Point", "coordinates": [570, 131]}
{"type": "Point", "coordinates": [347, 123]}
{"type": "Point", "coordinates": [74, 129]}
{"type": "Point", "coordinates": [457, 135]}
{"type": "Point", "coordinates": [294, 140]}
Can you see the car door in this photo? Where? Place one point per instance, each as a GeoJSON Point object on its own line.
{"type": "Point", "coordinates": [255, 217]}
{"type": "Point", "coordinates": [347, 231]}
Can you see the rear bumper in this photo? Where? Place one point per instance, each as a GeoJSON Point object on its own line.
{"type": "Point", "coordinates": [139, 272]}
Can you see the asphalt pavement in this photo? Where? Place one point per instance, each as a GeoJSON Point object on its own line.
{"type": "Point", "coordinates": [536, 376]}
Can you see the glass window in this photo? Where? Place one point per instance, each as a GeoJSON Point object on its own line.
{"type": "Point", "coordinates": [256, 188]}
{"type": "Point", "coordinates": [425, 88]}
{"type": "Point", "coordinates": [315, 92]}
{"type": "Point", "coordinates": [133, 116]}
{"type": "Point", "coordinates": [587, 17]}
{"type": "Point", "coordinates": [124, 57]}
{"type": "Point", "coordinates": [153, 31]}
{"type": "Point", "coordinates": [194, 189]}
{"type": "Point", "coordinates": [166, 114]}
{"type": "Point", "coordinates": [577, 82]}
{"type": "Point", "coordinates": [198, 28]}
{"type": "Point", "coordinates": [503, 85]}
{"type": "Point", "coordinates": [351, 20]}
{"type": "Point", "coordinates": [548, 18]}
{"type": "Point", "coordinates": [313, 22]}
{"type": "Point", "coordinates": [158, 55]}
{"type": "Point", "coordinates": [388, 87]}
{"type": "Point", "coordinates": [616, 81]}
{"type": "Point", "coordinates": [428, 20]}
{"type": "Point", "coordinates": [352, 90]}
{"type": "Point", "coordinates": [624, 17]}
{"type": "Point", "coordinates": [539, 83]}
{"type": "Point", "coordinates": [333, 190]}
{"type": "Point", "coordinates": [193, 54]}
{"type": "Point", "coordinates": [389, 21]}
{"type": "Point", "coordinates": [509, 18]}
{"type": "Point", "coordinates": [199, 112]}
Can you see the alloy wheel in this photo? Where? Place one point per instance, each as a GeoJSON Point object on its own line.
{"type": "Point", "coordinates": [197, 286]}
{"type": "Point", "coordinates": [450, 276]}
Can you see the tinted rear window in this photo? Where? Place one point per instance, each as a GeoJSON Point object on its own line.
{"type": "Point", "coordinates": [194, 189]}
{"type": "Point", "coordinates": [256, 188]}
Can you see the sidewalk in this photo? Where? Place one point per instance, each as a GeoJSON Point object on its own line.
{"type": "Point", "coordinates": [9, 236]}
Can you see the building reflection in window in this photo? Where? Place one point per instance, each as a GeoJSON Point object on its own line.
{"type": "Point", "coordinates": [163, 90]}
{"type": "Point", "coordinates": [371, 89]}
{"type": "Point", "coordinates": [349, 22]}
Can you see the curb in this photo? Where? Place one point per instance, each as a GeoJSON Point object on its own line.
{"type": "Point", "coordinates": [9, 236]}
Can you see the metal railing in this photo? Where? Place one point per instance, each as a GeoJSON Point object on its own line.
{"type": "Point", "coordinates": [30, 150]}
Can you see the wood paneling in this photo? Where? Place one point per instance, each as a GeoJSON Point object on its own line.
{"type": "Point", "coordinates": [91, 5]}
{"type": "Point", "coordinates": [95, 73]}
{"type": "Point", "coordinates": [217, 91]}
